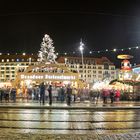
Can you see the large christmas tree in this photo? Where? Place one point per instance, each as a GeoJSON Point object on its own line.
{"type": "Point", "coordinates": [47, 53]}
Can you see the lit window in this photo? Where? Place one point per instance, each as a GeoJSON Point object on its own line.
{"type": "Point", "coordinates": [2, 60]}
{"type": "Point", "coordinates": [112, 68]}
{"type": "Point", "coordinates": [7, 60]}
{"type": "Point", "coordinates": [12, 60]}
{"type": "Point", "coordinates": [100, 72]}
{"type": "Point", "coordinates": [99, 67]}
{"type": "Point", "coordinates": [17, 60]}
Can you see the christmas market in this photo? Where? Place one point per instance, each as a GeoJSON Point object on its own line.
{"type": "Point", "coordinates": [47, 71]}
{"type": "Point", "coordinates": [50, 74]}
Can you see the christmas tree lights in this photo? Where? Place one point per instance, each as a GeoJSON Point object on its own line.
{"type": "Point", "coordinates": [47, 53]}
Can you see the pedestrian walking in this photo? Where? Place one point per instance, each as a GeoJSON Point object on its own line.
{"type": "Point", "coordinates": [117, 95]}
{"type": "Point", "coordinates": [62, 94]}
{"type": "Point", "coordinates": [1, 94]}
{"type": "Point", "coordinates": [69, 93]}
{"type": "Point", "coordinates": [38, 93]}
{"type": "Point", "coordinates": [105, 93]}
{"type": "Point", "coordinates": [74, 93]}
{"type": "Point", "coordinates": [7, 91]}
{"type": "Point", "coordinates": [50, 94]}
{"type": "Point", "coordinates": [42, 93]}
{"type": "Point", "coordinates": [13, 94]}
{"type": "Point", "coordinates": [112, 95]}
{"type": "Point", "coordinates": [97, 97]}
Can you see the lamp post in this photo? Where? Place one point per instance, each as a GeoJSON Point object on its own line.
{"type": "Point", "coordinates": [66, 61]}
{"type": "Point", "coordinates": [81, 48]}
{"type": "Point", "coordinates": [30, 59]}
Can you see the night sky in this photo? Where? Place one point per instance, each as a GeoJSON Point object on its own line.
{"type": "Point", "coordinates": [102, 24]}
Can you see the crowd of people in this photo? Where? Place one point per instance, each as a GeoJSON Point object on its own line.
{"type": "Point", "coordinates": [51, 93]}
{"type": "Point", "coordinates": [47, 92]}
{"type": "Point", "coordinates": [106, 94]}
{"type": "Point", "coordinates": [7, 94]}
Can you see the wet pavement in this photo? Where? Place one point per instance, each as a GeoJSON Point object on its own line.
{"type": "Point", "coordinates": [77, 105]}
{"type": "Point", "coordinates": [69, 124]}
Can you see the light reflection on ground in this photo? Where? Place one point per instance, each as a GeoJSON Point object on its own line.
{"type": "Point", "coordinates": [70, 121]}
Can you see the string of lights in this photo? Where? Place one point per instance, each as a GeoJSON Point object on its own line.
{"type": "Point", "coordinates": [102, 51]}
{"type": "Point", "coordinates": [89, 52]}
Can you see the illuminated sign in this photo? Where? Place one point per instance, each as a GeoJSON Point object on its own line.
{"type": "Point", "coordinates": [50, 77]}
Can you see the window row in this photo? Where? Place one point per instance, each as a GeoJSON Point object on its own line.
{"type": "Point", "coordinates": [19, 60]}
{"type": "Point", "coordinates": [90, 67]}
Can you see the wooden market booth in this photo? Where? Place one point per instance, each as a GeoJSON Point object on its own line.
{"type": "Point", "coordinates": [50, 74]}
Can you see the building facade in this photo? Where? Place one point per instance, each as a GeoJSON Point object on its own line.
{"type": "Point", "coordinates": [92, 69]}
{"type": "Point", "coordinates": [10, 64]}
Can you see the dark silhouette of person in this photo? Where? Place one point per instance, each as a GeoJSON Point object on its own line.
{"type": "Point", "coordinates": [50, 94]}
{"type": "Point", "coordinates": [13, 94]}
{"type": "Point", "coordinates": [1, 94]}
{"type": "Point", "coordinates": [62, 94]}
{"type": "Point", "coordinates": [42, 93]}
{"type": "Point", "coordinates": [112, 95]}
{"type": "Point", "coordinates": [69, 93]}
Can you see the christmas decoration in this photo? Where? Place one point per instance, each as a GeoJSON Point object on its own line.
{"type": "Point", "coordinates": [47, 53]}
{"type": "Point", "coordinates": [103, 51]}
{"type": "Point", "coordinates": [126, 69]}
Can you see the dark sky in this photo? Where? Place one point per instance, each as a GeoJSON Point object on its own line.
{"type": "Point", "coordinates": [102, 24]}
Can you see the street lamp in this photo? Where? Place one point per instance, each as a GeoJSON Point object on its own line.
{"type": "Point", "coordinates": [81, 48]}
{"type": "Point", "coordinates": [66, 61]}
{"type": "Point", "coordinates": [30, 59]}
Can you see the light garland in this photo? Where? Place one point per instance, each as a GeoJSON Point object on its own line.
{"type": "Point", "coordinates": [90, 52]}
{"type": "Point", "coordinates": [106, 50]}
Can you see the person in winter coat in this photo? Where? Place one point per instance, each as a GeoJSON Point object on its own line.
{"type": "Point", "coordinates": [42, 93]}
{"type": "Point", "coordinates": [112, 95]}
{"type": "Point", "coordinates": [62, 94]}
{"type": "Point", "coordinates": [50, 94]}
{"type": "Point", "coordinates": [117, 95]}
{"type": "Point", "coordinates": [69, 93]}
{"type": "Point", "coordinates": [105, 93]}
